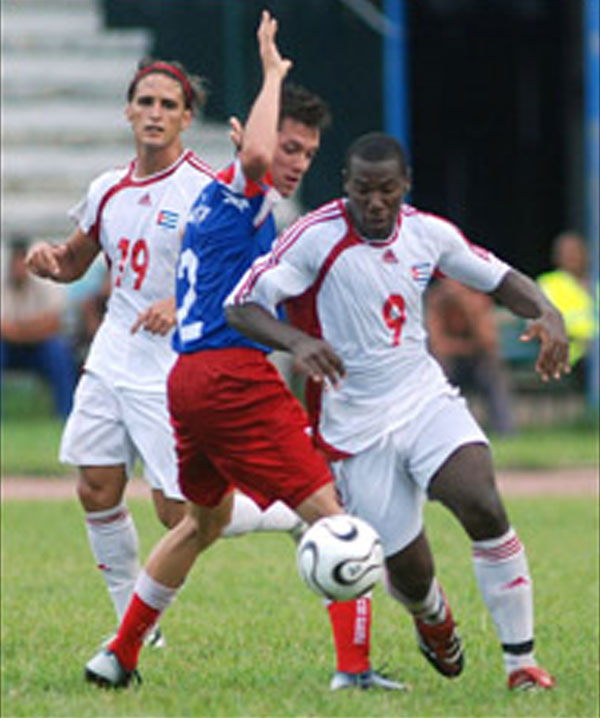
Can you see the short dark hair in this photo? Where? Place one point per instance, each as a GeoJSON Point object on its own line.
{"type": "Point", "coordinates": [375, 147]}
{"type": "Point", "coordinates": [304, 106]}
{"type": "Point", "coordinates": [194, 99]}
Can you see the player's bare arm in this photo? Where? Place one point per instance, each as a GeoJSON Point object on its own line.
{"type": "Point", "coordinates": [63, 262]}
{"type": "Point", "coordinates": [158, 318]}
{"type": "Point", "coordinates": [524, 298]}
{"type": "Point", "coordinates": [260, 132]}
{"type": "Point", "coordinates": [314, 357]}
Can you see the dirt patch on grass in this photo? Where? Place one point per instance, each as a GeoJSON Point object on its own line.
{"type": "Point", "coordinates": [563, 482]}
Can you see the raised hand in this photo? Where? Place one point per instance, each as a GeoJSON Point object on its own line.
{"type": "Point", "coordinates": [269, 54]}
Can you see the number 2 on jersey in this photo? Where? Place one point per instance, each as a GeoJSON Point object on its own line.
{"type": "Point", "coordinates": [188, 269]}
{"type": "Point", "coordinates": [394, 315]}
{"type": "Point", "coordinates": [138, 259]}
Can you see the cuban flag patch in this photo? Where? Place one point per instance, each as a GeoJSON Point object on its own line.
{"type": "Point", "coordinates": [421, 272]}
{"type": "Point", "coordinates": [167, 219]}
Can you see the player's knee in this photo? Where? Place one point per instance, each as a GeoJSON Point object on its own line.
{"type": "Point", "coordinates": [204, 526]}
{"type": "Point", "coordinates": [411, 570]}
{"type": "Point", "coordinates": [483, 515]}
{"type": "Point", "coordinates": [169, 511]}
{"type": "Point", "coordinates": [97, 492]}
{"type": "Point", "coordinates": [170, 516]}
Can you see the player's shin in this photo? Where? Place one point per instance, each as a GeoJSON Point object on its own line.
{"type": "Point", "coordinates": [114, 542]}
{"type": "Point", "coordinates": [351, 627]}
{"type": "Point", "coordinates": [149, 601]}
{"type": "Point", "coordinates": [503, 577]}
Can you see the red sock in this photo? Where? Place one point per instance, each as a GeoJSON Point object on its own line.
{"type": "Point", "coordinates": [351, 625]}
{"type": "Point", "coordinates": [138, 619]}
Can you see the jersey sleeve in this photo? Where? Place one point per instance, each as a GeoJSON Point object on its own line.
{"type": "Point", "coordinates": [286, 271]}
{"type": "Point", "coordinates": [260, 197]}
{"type": "Point", "coordinates": [462, 260]}
{"type": "Point", "coordinates": [86, 212]}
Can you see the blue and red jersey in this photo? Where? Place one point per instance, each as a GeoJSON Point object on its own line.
{"type": "Point", "coordinates": [230, 224]}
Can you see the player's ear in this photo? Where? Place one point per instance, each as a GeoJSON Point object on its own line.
{"type": "Point", "coordinates": [187, 120]}
{"type": "Point", "coordinates": [128, 111]}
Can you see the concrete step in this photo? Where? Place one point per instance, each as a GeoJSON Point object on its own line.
{"type": "Point", "coordinates": [63, 76]}
{"type": "Point", "coordinates": [32, 21]}
{"type": "Point", "coordinates": [125, 43]}
{"type": "Point", "coordinates": [41, 183]}
{"type": "Point", "coordinates": [54, 121]}
{"type": "Point", "coordinates": [43, 5]}
{"type": "Point", "coordinates": [29, 169]}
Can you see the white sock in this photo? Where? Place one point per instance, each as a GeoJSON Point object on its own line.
{"type": "Point", "coordinates": [247, 516]}
{"type": "Point", "coordinates": [430, 609]}
{"type": "Point", "coordinates": [279, 517]}
{"type": "Point", "coordinates": [156, 595]}
{"type": "Point", "coordinates": [505, 583]}
{"type": "Point", "coordinates": [114, 542]}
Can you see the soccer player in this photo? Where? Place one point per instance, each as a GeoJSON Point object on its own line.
{"type": "Point", "coordinates": [354, 273]}
{"type": "Point", "coordinates": [135, 215]}
{"type": "Point", "coordinates": [236, 423]}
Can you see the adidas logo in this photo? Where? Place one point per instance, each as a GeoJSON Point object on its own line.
{"type": "Point", "coordinates": [390, 257]}
{"type": "Point", "coordinates": [519, 581]}
{"type": "Point", "coordinates": [145, 200]}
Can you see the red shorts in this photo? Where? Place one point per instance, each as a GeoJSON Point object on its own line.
{"type": "Point", "coordinates": [237, 424]}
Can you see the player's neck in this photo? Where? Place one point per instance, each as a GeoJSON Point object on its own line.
{"type": "Point", "coordinates": [151, 161]}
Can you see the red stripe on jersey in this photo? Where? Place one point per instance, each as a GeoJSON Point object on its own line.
{"type": "Point", "coordinates": [251, 187]}
{"type": "Point", "coordinates": [199, 164]}
{"type": "Point", "coordinates": [161, 175]}
{"type": "Point", "coordinates": [287, 239]}
{"type": "Point", "coordinates": [129, 181]}
{"type": "Point", "coordinates": [327, 212]}
{"type": "Point", "coordinates": [94, 230]}
{"type": "Point", "coordinates": [302, 313]}
{"type": "Point", "coordinates": [226, 175]}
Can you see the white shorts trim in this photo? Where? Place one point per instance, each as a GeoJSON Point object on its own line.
{"type": "Point", "coordinates": [110, 426]}
{"type": "Point", "coordinates": [386, 484]}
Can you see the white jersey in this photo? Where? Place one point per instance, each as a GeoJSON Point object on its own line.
{"type": "Point", "coordinates": [366, 299]}
{"type": "Point", "coordinates": [138, 223]}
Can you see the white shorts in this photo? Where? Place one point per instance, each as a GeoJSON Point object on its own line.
{"type": "Point", "coordinates": [110, 426]}
{"type": "Point", "coordinates": [386, 484]}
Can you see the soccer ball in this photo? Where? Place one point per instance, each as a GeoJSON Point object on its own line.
{"type": "Point", "coordinates": [340, 557]}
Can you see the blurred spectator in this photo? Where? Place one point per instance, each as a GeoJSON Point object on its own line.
{"type": "Point", "coordinates": [31, 338]}
{"type": "Point", "coordinates": [463, 337]}
{"type": "Point", "coordinates": [568, 288]}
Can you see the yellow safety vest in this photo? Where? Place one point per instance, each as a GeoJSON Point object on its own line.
{"type": "Point", "coordinates": [577, 307]}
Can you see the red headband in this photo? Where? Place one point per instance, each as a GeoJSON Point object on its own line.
{"type": "Point", "coordinates": [171, 70]}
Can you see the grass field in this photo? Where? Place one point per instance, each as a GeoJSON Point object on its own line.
{"type": "Point", "coordinates": [29, 446]}
{"type": "Point", "coordinates": [245, 638]}
{"type": "Point", "coordinates": [30, 436]}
